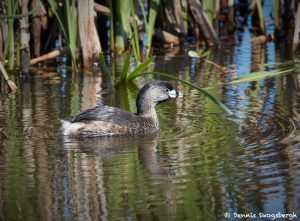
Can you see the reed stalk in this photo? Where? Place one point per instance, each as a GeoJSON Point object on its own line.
{"type": "Point", "coordinates": [24, 48]}
{"type": "Point", "coordinates": [121, 24]}
{"type": "Point", "coordinates": [154, 4]}
{"type": "Point", "coordinates": [209, 9]}
{"type": "Point", "coordinates": [112, 35]}
{"type": "Point", "coordinates": [296, 39]}
{"type": "Point", "coordinates": [105, 70]}
{"type": "Point", "coordinates": [135, 41]}
{"type": "Point", "coordinates": [9, 51]}
{"type": "Point", "coordinates": [261, 15]}
{"type": "Point", "coordinates": [276, 13]}
{"type": "Point", "coordinates": [71, 14]}
{"type": "Point", "coordinates": [144, 13]}
{"type": "Point", "coordinates": [126, 68]}
{"type": "Point", "coordinates": [68, 25]}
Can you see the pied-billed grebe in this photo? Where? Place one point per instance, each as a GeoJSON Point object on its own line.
{"type": "Point", "coordinates": [109, 121]}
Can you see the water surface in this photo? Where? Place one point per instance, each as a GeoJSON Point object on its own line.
{"type": "Point", "coordinates": [202, 164]}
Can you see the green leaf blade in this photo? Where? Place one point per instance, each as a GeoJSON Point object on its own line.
{"type": "Point", "coordinates": [105, 69]}
{"type": "Point", "coordinates": [135, 32]}
{"type": "Point", "coordinates": [140, 68]}
{"type": "Point", "coordinates": [193, 54]}
{"type": "Point", "coordinates": [125, 69]}
{"type": "Point", "coordinates": [154, 5]}
{"type": "Point", "coordinates": [255, 76]}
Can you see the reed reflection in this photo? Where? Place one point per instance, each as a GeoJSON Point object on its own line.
{"type": "Point", "coordinates": [102, 171]}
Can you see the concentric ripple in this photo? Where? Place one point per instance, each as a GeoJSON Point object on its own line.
{"type": "Point", "coordinates": [266, 130]}
{"type": "Point", "coordinates": [204, 126]}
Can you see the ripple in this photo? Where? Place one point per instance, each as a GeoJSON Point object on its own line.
{"type": "Point", "coordinates": [199, 127]}
{"type": "Point", "coordinates": [264, 130]}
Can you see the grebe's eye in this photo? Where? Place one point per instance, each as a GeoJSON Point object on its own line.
{"type": "Point", "coordinates": [167, 90]}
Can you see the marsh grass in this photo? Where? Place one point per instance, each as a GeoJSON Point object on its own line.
{"type": "Point", "coordinates": [259, 75]}
{"type": "Point", "coordinates": [279, 68]}
{"type": "Point", "coordinates": [105, 70]}
{"type": "Point", "coordinates": [276, 13]}
{"type": "Point", "coordinates": [67, 19]}
{"type": "Point", "coordinates": [135, 39]}
{"type": "Point", "coordinates": [9, 49]}
{"type": "Point", "coordinates": [154, 4]}
{"type": "Point", "coordinates": [261, 15]}
{"type": "Point", "coordinates": [125, 68]}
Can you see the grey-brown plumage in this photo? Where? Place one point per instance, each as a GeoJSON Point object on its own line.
{"type": "Point", "coordinates": [108, 121]}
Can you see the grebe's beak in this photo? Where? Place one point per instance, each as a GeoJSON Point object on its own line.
{"type": "Point", "coordinates": [175, 94]}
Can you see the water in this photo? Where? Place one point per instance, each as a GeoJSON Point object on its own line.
{"type": "Point", "coordinates": [202, 164]}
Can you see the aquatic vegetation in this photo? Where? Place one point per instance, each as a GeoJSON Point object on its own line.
{"type": "Point", "coordinates": [67, 19]}
{"type": "Point", "coordinates": [140, 68]}
{"type": "Point", "coordinates": [202, 54]}
{"type": "Point", "coordinates": [105, 70]}
{"type": "Point", "coordinates": [150, 25]}
{"type": "Point", "coordinates": [12, 86]}
{"type": "Point", "coordinates": [255, 76]}
{"type": "Point", "coordinates": [135, 35]}
{"type": "Point", "coordinates": [138, 71]}
{"type": "Point", "coordinates": [9, 50]}
{"type": "Point", "coordinates": [122, 30]}
{"type": "Point", "coordinates": [276, 14]}
{"type": "Point", "coordinates": [111, 29]}
{"type": "Point", "coordinates": [260, 15]}
{"type": "Point", "coordinates": [125, 68]}
{"type": "Point", "coordinates": [126, 75]}
{"type": "Point", "coordinates": [132, 18]}
{"type": "Point", "coordinates": [209, 8]}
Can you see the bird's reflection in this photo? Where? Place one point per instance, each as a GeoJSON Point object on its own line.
{"type": "Point", "coordinates": [92, 164]}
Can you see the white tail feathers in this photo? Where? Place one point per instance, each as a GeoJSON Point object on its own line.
{"type": "Point", "coordinates": [70, 128]}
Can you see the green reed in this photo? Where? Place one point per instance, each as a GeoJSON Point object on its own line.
{"type": "Point", "coordinates": [209, 8]}
{"type": "Point", "coordinates": [261, 15]}
{"type": "Point", "coordinates": [276, 13]}
{"type": "Point", "coordinates": [154, 4]}
{"type": "Point", "coordinates": [9, 50]}
{"type": "Point", "coordinates": [121, 24]}
{"type": "Point", "coordinates": [67, 19]}
{"type": "Point", "coordinates": [135, 41]}
{"type": "Point", "coordinates": [255, 76]}
{"type": "Point", "coordinates": [111, 29]}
